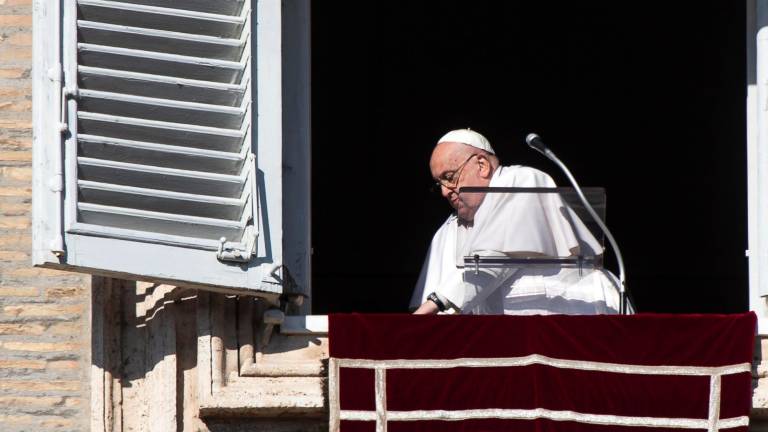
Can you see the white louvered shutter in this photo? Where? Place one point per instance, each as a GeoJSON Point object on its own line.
{"type": "Point", "coordinates": [170, 162]}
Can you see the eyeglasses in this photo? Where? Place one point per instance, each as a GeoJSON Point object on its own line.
{"type": "Point", "coordinates": [450, 179]}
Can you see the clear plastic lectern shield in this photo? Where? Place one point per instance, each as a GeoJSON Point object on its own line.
{"type": "Point", "coordinates": [531, 226]}
{"type": "Point", "coordinates": [543, 242]}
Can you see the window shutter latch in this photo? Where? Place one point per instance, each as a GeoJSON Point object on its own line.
{"type": "Point", "coordinates": [238, 251]}
{"type": "Point", "coordinates": [56, 74]}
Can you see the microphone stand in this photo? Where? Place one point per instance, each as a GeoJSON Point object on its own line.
{"type": "Point", "coordinates": [535, 142]}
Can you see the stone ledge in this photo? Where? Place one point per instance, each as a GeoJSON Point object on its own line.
{"type": "Point", "coordinates": [269, 397]}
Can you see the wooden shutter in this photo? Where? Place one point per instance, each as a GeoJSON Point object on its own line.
{"type": "Point", "coordinates": [170, 165]}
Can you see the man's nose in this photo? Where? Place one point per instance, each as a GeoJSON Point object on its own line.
{"type": "Point", "coordinates": [446, 192]}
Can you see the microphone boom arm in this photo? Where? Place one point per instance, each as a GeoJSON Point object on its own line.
{"type": "Point", "coordinates": [534, 141]}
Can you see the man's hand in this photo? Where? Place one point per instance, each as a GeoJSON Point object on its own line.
{"type": "Point", "coordinates": [428, 308]}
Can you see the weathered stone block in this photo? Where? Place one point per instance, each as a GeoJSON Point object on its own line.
{"type": "Point", "coordinates": [65, 328]}
{"type": "Point", "coordinates": [20, 39]}
{"type": "Point", "coordinates": [28, 329]}
{"type": "Point", "coordinates": [40, 346]}
{"type": "Point", "coordinates": [22, 364]}
{"type": "Point", "coordinates": [72, 402]}
{"type": "Point", "coordinates": [14, 72]}
{"type": "Point", "coordinates": [63, 364]}
{"type": "Point", "coordinates": [40, 386]}
{"type": "Point", "coordinates": [16, 2]}
{"type": "Point", "coordinates": [24, 105]}
{"type": "Point", "coordinates": [15, 222]}
{"type": "Point", "coordinates": [49, 401]}
{"type": "Point", "coordinates": [15, 144]}
{"type": "Point", "coordinates": [57, 423]}
{"type": "Point", "coordinates": [11, 122]}
{"type": "Point", "coordinates": [17, 291]}
{"type": "Point", "coordinates": [58, 292]}
{"type": "Point", "coordinates": [16, 21]}
{"type": "Point", "coordinates": [39, 272]}
{"type": "Point", "coordinates": [15, 91]}
{"type": "Point", "coordinates": [13, 256]}
{"type": "Point", "coordinates": [15, 191]}
{"type": "Point", "coordinates": [43, 310]}
{"type": "Point", "coordinates": [15, 156]}
{"type": "Point", "coordinates": [15, 241]}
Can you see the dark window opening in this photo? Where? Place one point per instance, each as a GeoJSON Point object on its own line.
{"type": "Point", "coordinates": [647, 100]}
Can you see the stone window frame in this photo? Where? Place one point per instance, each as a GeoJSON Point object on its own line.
{"type": "Point", "coordinates": [157, 347]}
{"type": "Point", "coordinates": [255, 368]}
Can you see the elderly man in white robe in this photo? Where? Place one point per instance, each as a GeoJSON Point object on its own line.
{"type": "Point", "coordinates": [500, 224]}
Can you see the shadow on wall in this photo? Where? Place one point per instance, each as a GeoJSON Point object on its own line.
{"type": "Point", "coordinates": [146, 341]}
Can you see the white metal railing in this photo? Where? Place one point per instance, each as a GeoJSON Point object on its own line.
{"type": "Point", "coordinates": [382, 415]}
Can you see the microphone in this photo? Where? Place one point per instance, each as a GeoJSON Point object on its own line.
{"type": "Point", "coordinates": [536, 143]}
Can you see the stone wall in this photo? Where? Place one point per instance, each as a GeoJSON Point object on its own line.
{"type": "Point", "coordinates": [44, 336]}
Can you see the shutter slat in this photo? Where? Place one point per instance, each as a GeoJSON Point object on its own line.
{"type": "Point", "coordinates": [224, 7]}
{"type": "Point", "coordinates": [161, 201]}
{"type": "Point", "coordinates": [145, 176]}
{"type": "Point", "coordinates": [226, 26]}
{"type": "Point", "coordinates": [161, 109]}
{"type": "Point", "coordinates": [180, 225]}
{"type": "Point", "coordinates": [160, 86]}
{"type": "Point", "coordinates": [198, 68]}
{"type": "Point", "coordinates": [227, 140]}
{"type": "Point", "coordinates": [160, 41]}
{"type": "Point", "coordinates": [142, 153]}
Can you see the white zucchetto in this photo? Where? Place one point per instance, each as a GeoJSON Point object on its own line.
{"type": "Point", "coordinates": [468, 137]}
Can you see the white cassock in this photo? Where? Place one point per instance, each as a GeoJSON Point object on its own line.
{"type": "Point", "coordinates": [517, 223]}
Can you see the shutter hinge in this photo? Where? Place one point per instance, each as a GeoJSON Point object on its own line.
{"type": "Point", "coordinates": [67, 93]}
{"type": "Point", "coordinates": [55, 73]}
{"type": "Point", "coordinates": [56, 183]}
{"type": "Point", "coordinates": [238, 252]}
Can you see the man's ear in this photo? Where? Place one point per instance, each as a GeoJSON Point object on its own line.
{"type": "Point", "coordinates": [486, 169]}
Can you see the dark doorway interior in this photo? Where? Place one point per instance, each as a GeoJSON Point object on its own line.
{"type": "Point", "coordinates": [646, 99]}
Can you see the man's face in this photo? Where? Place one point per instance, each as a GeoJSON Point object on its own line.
{"type": "Point", "coordinates": [455, 165]}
